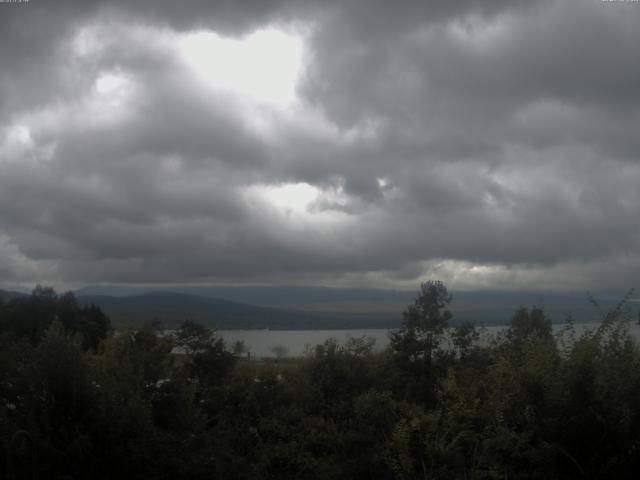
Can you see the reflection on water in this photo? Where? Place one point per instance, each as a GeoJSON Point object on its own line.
{"type": "Point", "coordinates": [262, 342]}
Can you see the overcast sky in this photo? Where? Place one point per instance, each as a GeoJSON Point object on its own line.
{"type": "Point", "coordinates": [490, 144]}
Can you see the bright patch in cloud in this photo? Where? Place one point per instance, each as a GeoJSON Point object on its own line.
{"type": "Point", "coordinates": [289, 197]}
{"type": "Point", "coordinates": [264, 66]}
{"type": "Point", "coordinates": [19, 136]}
{"type": "Point", "coordinates": [111, 100]}
{"type": "Point", "coordinates": [110, 83]}
{"type": "Point", "coordinates": [479, 32]}
{"type": "Point", "coordinates": [17, 142]}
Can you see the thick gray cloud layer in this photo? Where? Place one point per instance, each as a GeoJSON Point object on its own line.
{"type": "Point", "coordinates": [491, 144]}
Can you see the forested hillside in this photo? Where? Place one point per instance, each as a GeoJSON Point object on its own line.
{"type": "Point", "coordinates": [80, 401]}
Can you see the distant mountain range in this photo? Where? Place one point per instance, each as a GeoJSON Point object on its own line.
{"type": "Point", "coordinates": [282, 307]}
{"type": "Point", "coordinates": [325, 307]}
{"type": "Point", "coordinates": [171, 308]}
{"type": "Point", "coordinates": [261, 295]}
{"type": "Point", "coordinates": [9, 294]}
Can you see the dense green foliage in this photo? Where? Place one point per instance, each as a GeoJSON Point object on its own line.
{"type": "Point", "coordinates": [78, 401]}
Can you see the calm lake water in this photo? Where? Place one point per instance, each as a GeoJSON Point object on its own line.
{"type": "Point", "coordinates": [261, 342]}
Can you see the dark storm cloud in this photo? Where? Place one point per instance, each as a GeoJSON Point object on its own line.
{"type": "Point", "coordinates": [492, 144]}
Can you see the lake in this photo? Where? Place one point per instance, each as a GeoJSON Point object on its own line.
{"type": "Point", "coordinates": [260, 342]}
